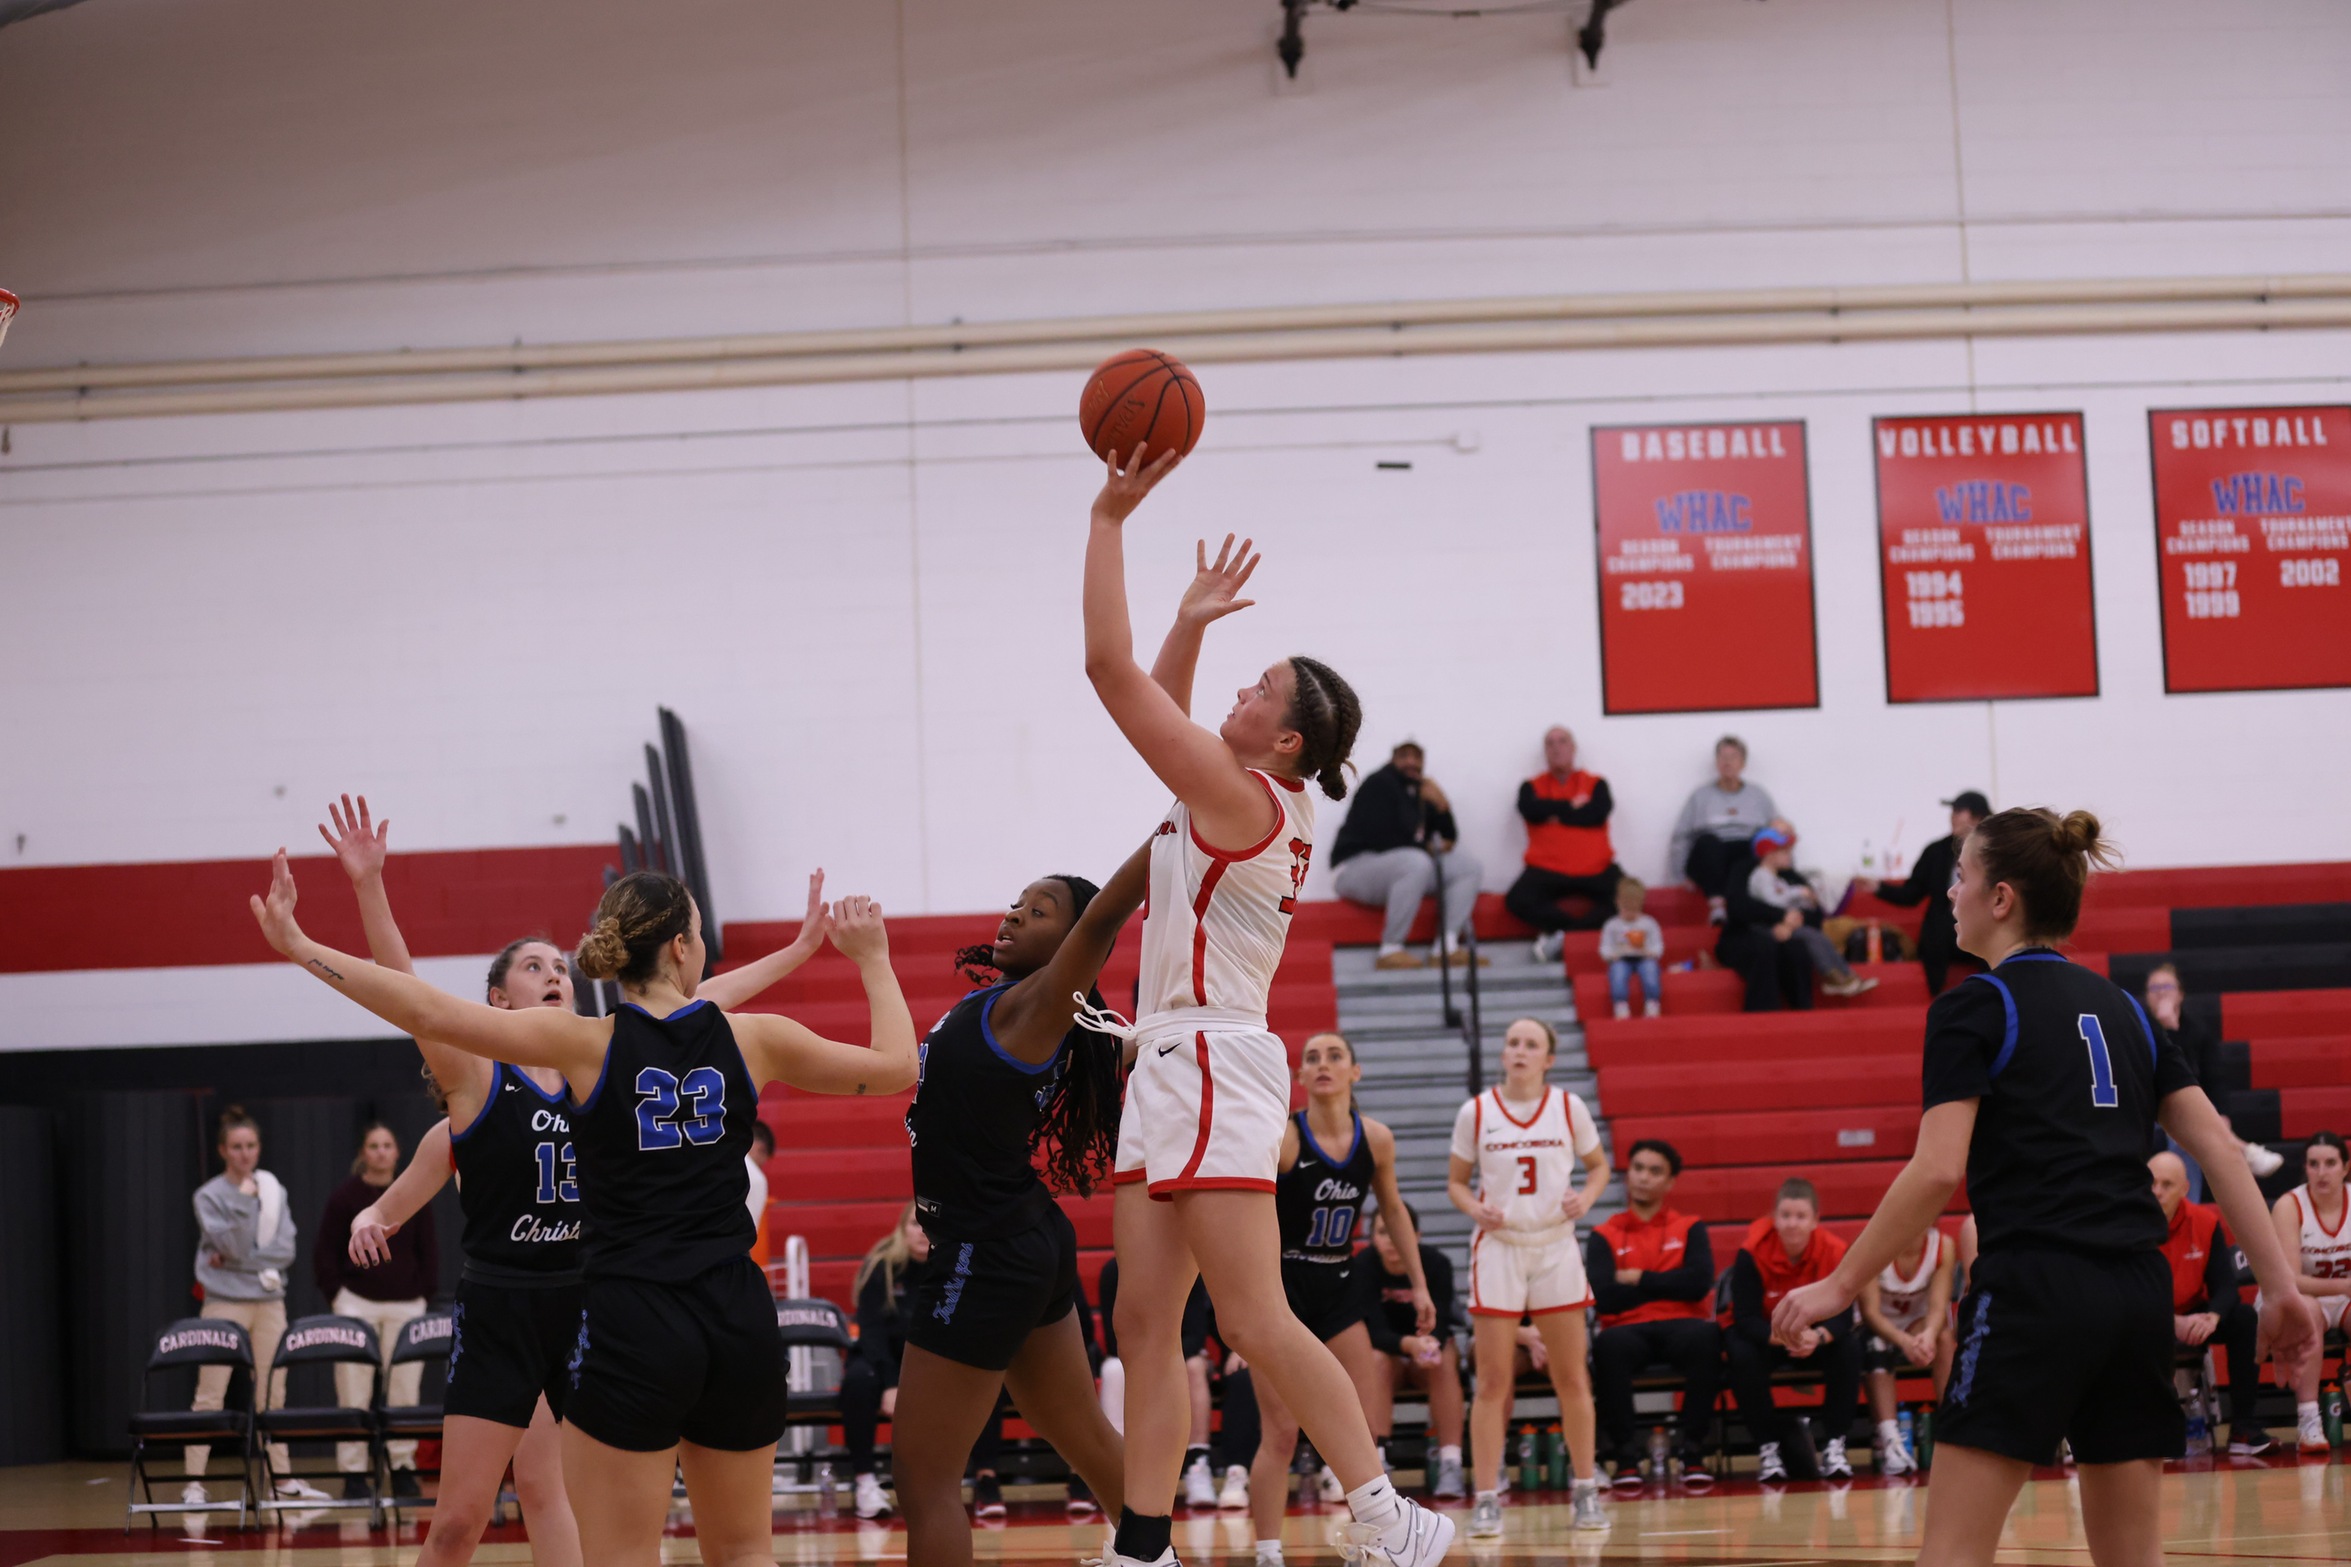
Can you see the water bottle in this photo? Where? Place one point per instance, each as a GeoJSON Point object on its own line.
{"type": "Point", "coordinates": [827, 1500]}
{"type": "Point", "coordinates": [1530, 1473]}
{"type": "Point", "coordinates": [2199, 1434]}
{"type": "Point", "coordinates": [1909, 1428]}
{"type": "Point", "coordinates": [2330, 1404]}
{"type": "Point", "coordinates": [1657, 1454]}
{"type": "Point", "coordinates": [1555, 1459]}
{"type": "Point", "coordinates": [1924, 1452]}
{"type": "Point", "coordinates": [1876, 948]}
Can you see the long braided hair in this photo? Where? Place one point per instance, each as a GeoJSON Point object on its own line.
{"type": "Point", "coordinates": [1076, 1138]}
{"type": "Point", "coordinates": [1326, 714]}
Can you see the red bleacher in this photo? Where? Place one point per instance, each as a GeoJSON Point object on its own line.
{"type": "Point", "coordinates": [2301, 1046]}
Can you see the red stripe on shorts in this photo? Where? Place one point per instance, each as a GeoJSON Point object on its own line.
{"type": "Point", "coordinates": [1207, 1108]}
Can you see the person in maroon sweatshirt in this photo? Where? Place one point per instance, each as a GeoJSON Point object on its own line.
{"type": "Point", "coordinates": [1785, 1250]}
{"type": "Point", "coordinates": [383, 1297]}
{"type": "Point", "coordinates": [1652, 1273]}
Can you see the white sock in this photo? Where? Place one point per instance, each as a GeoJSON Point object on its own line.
{"type": "Point", "coordinates": [1488, 1496]}
{"type": "Point", "coordinates": [1592, 1484]}
{"type": "Point", "coordinates": [1375, 1503]}
{"type": "Point", "coordinates": [1269, 1550]}
{"type": "Point", "coordinates": [1889, 1431]}
{"type": "Point", "coordinates": [2305, 1411]}
{"type": "Point", "coordinates": [1450, 1454]}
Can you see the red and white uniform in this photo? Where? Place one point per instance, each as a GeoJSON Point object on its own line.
{"type": "Point", "coordinates": [2326, 1254]}
{"type": "Point", "coordinates": [1210, 1091]}
{"type": "Point", "coordinates": [1903, 1300]}
{"type": "Point", "coordinates": [1526, 1165]}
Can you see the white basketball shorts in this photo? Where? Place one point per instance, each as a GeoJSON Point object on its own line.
{"type": "Point", "coordinates": [1507, 1279]}
{"type": "Point", "coordinates": [1204, 1112]}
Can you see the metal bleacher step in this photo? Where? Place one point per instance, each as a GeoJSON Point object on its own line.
{"type": "Point", "coordinates": [1416, 1068]}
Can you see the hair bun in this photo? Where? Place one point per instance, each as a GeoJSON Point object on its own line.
{"type": "Point", "coordinates": [2078, 832]}
{"type": "Point", "coordinates": [603, 952]}
{"type": "Point", "coordinates": [1333, 780]}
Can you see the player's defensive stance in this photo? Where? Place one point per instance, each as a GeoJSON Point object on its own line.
{"type": "Point", "coordinates": [2310, 1225]}
{"type": "Point", "coordinates": [1332, 1158]}
{"type": "Point", "coordinates": [1210, 1092]}
{"type": "Point", "coordinates": [1522, 1141]}
{"type": "Point", "coordinates": [677, 1362]}
{"type": "Point", "coordinates": [1007, 1077]}
{"type": "Point", "coordinates": [2043, 1086]}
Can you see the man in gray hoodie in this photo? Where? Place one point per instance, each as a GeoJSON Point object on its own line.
{"type": "Point", "coordinates": [1717, 822]}
{"type": "Point", "coordinates": [245, 1247]}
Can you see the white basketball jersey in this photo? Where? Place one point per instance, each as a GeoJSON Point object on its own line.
{"type": "Point", "coordinates": [1904, 1300]}
{"type": "Point", "coordinates": [2326, 1254]}
{"type": "Point", "coordinates": [1526, 1167]}
{"type": "Point", "coordinates": [1215, 923]}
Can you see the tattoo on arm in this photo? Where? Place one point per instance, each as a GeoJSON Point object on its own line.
{"type": "Point", "coordinates": [861, 1088]}
{"type": "Point", "coordinates": [323, 969]}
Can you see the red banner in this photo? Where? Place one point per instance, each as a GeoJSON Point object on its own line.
{"type": "Point", "coordinates": [2253, 541]}
{"type": "Point", "coordinates": [1984, 557]}
{"type": "Point", "coordinates": [1705, 536]}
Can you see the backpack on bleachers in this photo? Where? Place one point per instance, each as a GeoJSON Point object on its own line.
{"type": "Point", "coordinates": [1893, 945]}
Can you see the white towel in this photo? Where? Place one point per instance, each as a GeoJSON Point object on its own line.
{"type": "Point", "coordinates": [273, 1213]}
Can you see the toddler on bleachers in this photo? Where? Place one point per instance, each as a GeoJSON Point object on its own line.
{"type": "Point", "coordinates": [1632, 942]}
{"type": "Point", "coordinates": [1776, 883]}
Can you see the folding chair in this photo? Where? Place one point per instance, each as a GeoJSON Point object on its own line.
{"type": "Point", "coordinates": [193, 1341]}
{"type": "Point", "coordinates": [326, 1340]}
{"type": "Point", "coordinates": [816, 1348]}
{"type": "Point", "coordinates": [421, 1340]}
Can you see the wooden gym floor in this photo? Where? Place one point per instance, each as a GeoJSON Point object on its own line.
{"type": "Point", "coordinates": [2242, 1511]}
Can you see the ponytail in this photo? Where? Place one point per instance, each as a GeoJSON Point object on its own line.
{"type": "Point", "coordinates": [1326, 714]}
{"type": "Point", "coordinates": [638, 915]}
{"type": "Point", "coordinates": [2046, 859]}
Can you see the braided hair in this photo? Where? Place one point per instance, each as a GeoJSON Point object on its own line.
{"type": "Point", "coordinates": [1324, 711]}
{"type": "Point", "coordinates": [1076, 1138]}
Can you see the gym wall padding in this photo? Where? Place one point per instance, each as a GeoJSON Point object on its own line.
{"type": "Point", "coordinates": [32, 1349]}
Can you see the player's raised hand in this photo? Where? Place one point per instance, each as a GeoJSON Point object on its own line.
{"type": "Point", "coordinates": [1215, 589]}
{"type": "Point", "coordinates": [857, 930]}
{"type": "Point", "coordinates": [357, 840]}
{"type": "Point", "coordinates": [816, 926]}
{"type": "Point", "coordinates": [275, 913]}
{"type": "Point", "coordinates": [1799, 1309]}
{"type": "Point", "coordinates": [1129, 480]}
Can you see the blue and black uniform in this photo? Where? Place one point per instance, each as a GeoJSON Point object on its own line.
{"type": "Point", "coordinates": [1004, 1257]}
{"type": "Point", "coordinates": [1319, 1201]}
{"type": "Point", "coordinates": [518, 1303]}
{"type": "Point", "coordinates": [678, 1337]}
{"type": "Point", "coordinates": [2066, 1328]}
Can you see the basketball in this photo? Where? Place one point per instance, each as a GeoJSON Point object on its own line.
{"type": "Point", "coordinates": [1142, 396]}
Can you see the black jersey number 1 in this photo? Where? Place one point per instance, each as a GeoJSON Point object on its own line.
{"type": "Point", "coordinates": [2103, 1093]}
{"type": "Point", "coordinates": [662, 1097]}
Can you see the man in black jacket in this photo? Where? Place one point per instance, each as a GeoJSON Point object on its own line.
{"type": "Point", "coordinates": [1930, 883]}
{"type": "Point", "coordinates": [1398, 833]}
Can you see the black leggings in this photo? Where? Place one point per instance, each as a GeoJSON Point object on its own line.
{"type": "Point", "coordinates": [861, 1412]}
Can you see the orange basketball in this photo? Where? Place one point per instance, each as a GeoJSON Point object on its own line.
{"type": "Point", "coordinates": [1142, 396]}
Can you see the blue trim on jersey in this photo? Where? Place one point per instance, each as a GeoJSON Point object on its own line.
{"type": "Point", "coordinates": [2145, 1027]}
{"type": "Point", "coordinates": [988, 1006]}
{"type": "Point", "coordinates": [594, 1093]}
{"type": "Point", "coordinates": [2008, 1035]}
{"type": "Point", "coordinates": [489, 1102]}
{"type": "Point", "coordinates": [1307, 1132]}
{"type": "Point", "coordinates": [524, 1078]}
{"type": "Point", "coordinates": [2035, 955]}
{"type": "Point", "coordinates": [699, 1001]}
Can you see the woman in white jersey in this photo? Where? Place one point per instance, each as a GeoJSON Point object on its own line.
{"type": "Point", "coordinates": [1522, 1141]}
{"type": "Point", "coordinates": [1210, 1094]}
{"type": "Point", "coordinates": [2314, 1222]}
{"type": "Point", "coordinates": [1907, 1309]}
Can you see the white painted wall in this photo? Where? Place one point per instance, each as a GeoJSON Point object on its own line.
{"type": "Point", "coordinates": [864, 599]}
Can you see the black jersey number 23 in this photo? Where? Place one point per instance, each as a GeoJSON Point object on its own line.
{"type": "Point", "coordinates": [674, 1111]}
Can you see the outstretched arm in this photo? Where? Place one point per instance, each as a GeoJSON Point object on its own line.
{"type": "Point", "coordinates": [1910, 1205]}
{"type": "Point", "coordinates": [1031, 1019]}
{"type": "Point", "coordinates": [373, 1227]}
{"type": "Point", "coordinates": [1226, 803]}
{"type": "Point", "coordinates": [360, 847]}
{"type": "Point", "coordinates": [1214, 594]}
{"type": "Point", "coordinates": [535, 1036]}
{"type": "Point", "coordinates": [777, 1049]}
{"type": "Point", "coordinates": [2291, 1329]}
{"type": "Point", "coordinates": [730, 990]}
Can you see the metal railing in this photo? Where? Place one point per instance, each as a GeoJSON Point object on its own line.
{"type": "Point", "coordinates": [1467, 1020]}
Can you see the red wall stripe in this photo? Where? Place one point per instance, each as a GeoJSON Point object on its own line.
{"type": "Point", "coordinates": [192, 913]}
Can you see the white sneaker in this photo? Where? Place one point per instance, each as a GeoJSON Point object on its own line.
{"type": "Point", "coordinates": [301, 1491]}
{"type": "Point", "coordinates": [2263, 1160]}
{"type": "Point", "coordinates": [1651, 1009]}
{"type": "Point", "coordinates": [1586, 1512]}
{"type": "Point", "coordinates": [192, 1494]}
{"type": "Point", "coordinates": [1235, 1496]}
{"type": "Point", "coordinates": [871, 1500]}
{"type": "Point", "coordinates": [1269, 1554]}
{"type": "Point", "coordinates": [1620, 1009]}
{"type": "Point", "coordinates": [1199, 1484]}
{"type": "Point", "coordinates": [1327, 1486]}
{"type": "Point", "coordinates": [1834, 1465]}
{"type": "Point", "coordinates": [1448, 1479]}
{"type": "Point", "coordinates": [1768, 1463]}
{"type": "Point", "coordinates": [2310, 1433]}
{"type": "Point", "coordinates": [1485, 1517]}
{"type": "Point", "coordinates": [1111, 1558]}
{"type": "Point", "coordinates": [1893, 1457]}
{"type": "Point", "coordinates": [1549, 945]}
{"type": "Point", "coordinates": [1418, 1537]}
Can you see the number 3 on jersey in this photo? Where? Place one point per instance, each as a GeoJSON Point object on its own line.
{"type": "Point", "coordinates": [2103, 1094]}
{"type": "Point", "coordinates": [660, 1097]}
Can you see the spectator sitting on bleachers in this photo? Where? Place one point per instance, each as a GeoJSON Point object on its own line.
{"type": "Point", "coordinates": [2199, 1041]}
{"type": "Point", "coordinates": [1399, 828]}
{"type": "Point", "coordinates": [1430, 1362]}
{"type": "Point", "coordinates": [1785, 1250]}
{"type": "Point", "coordinates": [1906, 1309]}
{"type": "Point", "coordinates": [1775, 881]}
{"type": "Point", "coordinates": [2205, 1304]}
{"type": "Point", "coordinates": [1568, 853]}
{"type": "Point", "coordinates": [1754, 941]}
{"type": "Point", "coordinates": [1712, 833]}
{"type": "Point", "coordinates": [1633, 943]}
{"type": "Point", "coordinates": [1652, 1274]}
{"type": "Point", "coordinates": [1929, 883]}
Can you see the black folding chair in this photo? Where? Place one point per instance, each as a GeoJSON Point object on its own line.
{"type": "Point", "coordinates": [325, 1340]}
{"type": "Point", "coordinates": [816, 1349]}
{"type": "Point", "coordinates": [193, 1341]}
{"type": "Point", "coordinates": [422, 1341]}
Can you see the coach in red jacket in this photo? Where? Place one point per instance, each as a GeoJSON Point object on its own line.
{"type": "Point", "coordinates": [2205, 1303]}
{"type": "Point", "coordinates": [1569, 856]}
{"type": "Point", "coordinates": [1652, 1275]}
{"type": "Point", "coordinates": [1785, 1250]}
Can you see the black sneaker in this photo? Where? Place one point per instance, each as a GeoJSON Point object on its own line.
{"type": "Point", "coordinates": [404, 1483]}
{"type": "Point", "coordinates": [987, 1497]}
{"type": "Point", "coordinates": [1694, 1461]}
{"type": "Point", "coordinates": [2248, 1441]}
{"type": "Point", "coordinates": [354, 1488]}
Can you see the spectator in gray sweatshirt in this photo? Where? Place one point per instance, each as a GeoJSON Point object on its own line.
{"type": "Point", "coordinates": [245, 1246]}
{"type": "Point", "coordinates": [1718, 821]}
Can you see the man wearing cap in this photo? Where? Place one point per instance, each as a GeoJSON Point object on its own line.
{"type": "Point", "coordinates": [1930, 883]}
